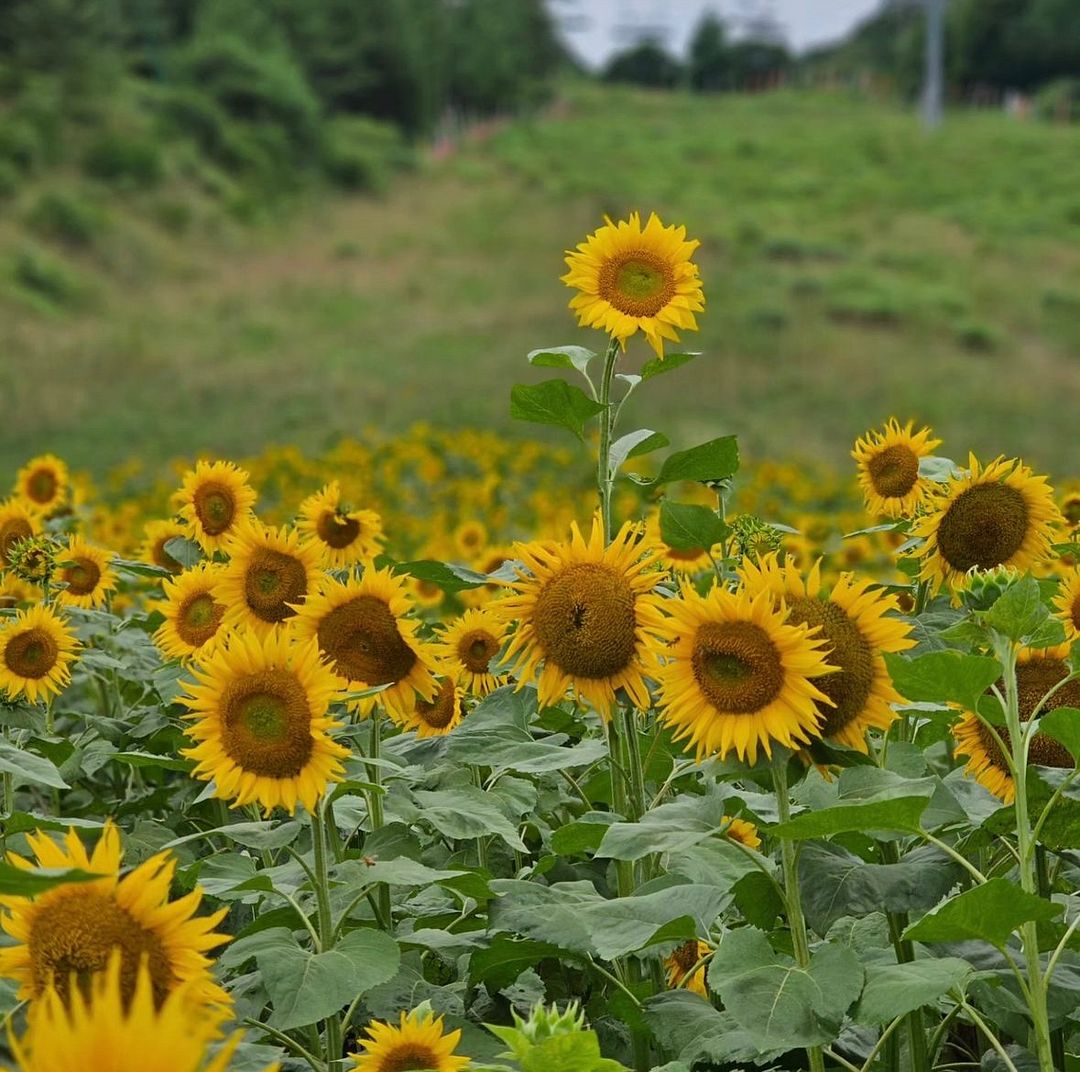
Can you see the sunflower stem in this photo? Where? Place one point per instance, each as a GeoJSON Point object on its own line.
{"type": "Point", "coordinates": [796, 920]}
{"type": "Point", "coordinates": [604, 479]}
{"type": "Point", "coordinates": [1046, 889]}
{"type": "Point", "coordinates": [375, 808]}
{"type": "Point", "coordinates": [326, 923]}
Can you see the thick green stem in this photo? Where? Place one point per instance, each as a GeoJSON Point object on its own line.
{"type": "Point", "coordinates": [1042, 873]}
{"type": "Point", "coordinates": [333, 1038]}
{"type": "Point", "coordinates": [796, 921]}
{"type": "Point", "coordinates": [603, 462]}
{"type": "Point", "coordinates": [375, 809]}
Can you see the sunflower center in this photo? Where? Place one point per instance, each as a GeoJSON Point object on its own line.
{"type": "Point", "coordinates": [984, 527]}
{"type": "Point", "coordinates": [73, 935]}
{"type": "Point", "coordinates": [476, 650]}
{"type": "Point", "coordinates": [361, 639]}
{"type": "Point", "coordinates": [688, 554]}
{"type": "Point", "coordinates": [737, 666]}
{"type": "Point", "coordinates": [850, 650]}
{"type": "Point", "coordinates": [440, 714]}
{"type": "Point", "coordinates": [274, 580]}
{"type": "Point", "coordinates": [266, 724]}
{"type": "Point", "coordinates": [408, 1057]}
{"type": "Point", "coordinates": [585, 622]}
{"type": "Point", "coordinates": [12, 532]}
{"type": "Point", "coordinates": [336, 530]}
{"type": "Point", "coordinates": [639, 283]}
{"type": "Point", "coordinates": [215, 507]}
{"type": "Point", "coordinates": [686, 956]}
{"type": "Point", "coordinates": [42, 485]}
{"type": "Point", "coordinates": [31, 654]}
{"type": "Point", "coordinates": [894, 471]}
{"type": "Point", "coordinates": [1071, 510]}
{"type": "Point", "coordinates": [198, 619]}
{"type": "Point", "coordinates": [82, 578]}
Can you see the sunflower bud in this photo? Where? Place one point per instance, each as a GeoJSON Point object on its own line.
{"type": "Point", "coordinates": [34, 559]}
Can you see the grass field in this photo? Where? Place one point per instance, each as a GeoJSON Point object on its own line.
{"type": "Point", "coordinates": [854, 267]}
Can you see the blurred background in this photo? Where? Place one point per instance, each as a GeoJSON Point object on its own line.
{"type": "Point", "coordinates": [232, 223]}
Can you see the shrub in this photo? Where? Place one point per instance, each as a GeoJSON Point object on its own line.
{"type": "Point", "coordinates": [45, 277]}
{"type": "Point", "coordinates": [360, 153]}
{"type": "Point", "coordinates": [1059, 100]}
{"type": "Point", "coordinates": [9, 179]}
{"type": "Point", "coordinates": [66, 218]}
{"type": "Point", "coordinates": [126, 159]}
{"type": "Point", "coordinates": [20, 145]}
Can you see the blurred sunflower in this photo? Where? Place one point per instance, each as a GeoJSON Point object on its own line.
{"type": "Point", "coordinates": [586, 618]}
{"type": "Point", "coordinates": [468, 646]}
{"type": "Point", "coordinates": [418, 1042]}
{"type": "Point", "coordinates": [37, 650]}
{"type": "Point", "coordinates": [71, 931]}
{"type": "Point", "coordinates": [743, 831]}
{"type": "Point", "coordinates": [157, 534]}
{"type": "Point", "coordinates": [18, 522]}
{"type": "Point", "coordinates": [888, 463]}
{"type": "Point", "coordinates": [87, 573]}
{"type": "Point", "coordinates": [1067, 603]}
{"type": "Point", "coordinates": [259, 712]}
{"type": "Point", "coordinates": [439, 716]}
{"type": "Point", "coordinates": [635, 278]}
{"type": "Point", "coordinates": [344, 535]}
{"type": "Point", "coordinates": [44, 483]}
{"type": "Point", "coordinates": [685, 967]}
{"type": "Point", "coordinates": [997, 515]}
{"type": "Point", "coordinates": [193, 616]}
{"type": "Point", "coordinates": [214, 498]}
{"type": "Point", "coordinates": [470, 538]}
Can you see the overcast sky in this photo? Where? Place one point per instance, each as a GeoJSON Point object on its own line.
{"type": "Point", "coordinates": [596, 28]}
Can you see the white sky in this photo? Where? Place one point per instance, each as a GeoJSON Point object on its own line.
{"type": "Point", "coordinates": [597, 28]}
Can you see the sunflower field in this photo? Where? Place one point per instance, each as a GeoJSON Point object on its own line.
{"type": "Point", "coordinates": [453, 751]}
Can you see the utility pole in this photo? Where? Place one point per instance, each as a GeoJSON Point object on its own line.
{"type": "Point", "coordinates": [934, 85]}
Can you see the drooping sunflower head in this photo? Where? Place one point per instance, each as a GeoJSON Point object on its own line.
{"type": "Point", "coordinates": [418, 1042]}
{"type": "Point", "coordinates": [37, 650]}
{"type": "Point", "coordinates": [87, 574]}
{"type": "Point", "coordinates": [1067, 603]}
{"type": "Point", "coordinates": [686, 967]}
{"type": "Point", "coordinates": [44, 482]}
{"type": "Point", "coordinates": [270, 573]}
{"type": "Point", "coordinates": [71, 932]}
{"type": "Point", "coordinates": [193, 615]}
{"type": "Point", "coordinates": [363, 632]}
{"type": "Point", "coordinates": [214, 498]}
{"type": "Point", "coordinates": [858, 623]}
{"type": "Point", "coordinates": [343, 533]}
{"type": "Point", "coordinates": [259, 712]}
{"type": "Point", "coordinates": [743, 831]}
{"type": "Point", "coordinates": [739, 676]}
{"type": "Point", "coordinates": [470, 646]}
{"type": "Point", "coordinates": [586, 618]}
{"type": "Point", "coordinates": [997, 515]}
{"type": "Point", "coordinates": [633, 278]}
{"type": "Point", "coordinates": [439, 716]}
{"type": "Point", "coordinates": [18, 522]}
{"type": "Point", "coordinates": [158, 534]}
{"type": "Point", "coordinates": [888, 462]}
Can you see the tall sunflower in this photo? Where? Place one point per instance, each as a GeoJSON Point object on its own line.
{"type": "Point", "coordinates": [18, 522]}
{"type": "Point", "coordinates": [888, 462]}
{"type": "Point", "coordinates": [362, 629]}
{"type": "Point", "coordinates": [1037, 672]}
{"type": "Point", "coordinates": [686, 967]}
{"type": "Point", "coordinates": [469, 645]}
{"type": "Point", "coordinates": [214, 498]}
{"type": "Point", "coordinates": [586, 618]}
{"type": "Point", "coordinates": [1067, 603]}
{"type": "Point", "coordinates": [343, 534]}
{"type": "Point", "coordinates": [37, 650]}
{"type": "Point", "coordinates": [270, 572]}
{"type": "Point", "coordinates": [739, 676]}
{"type": "Point", "coordinates": [854, 621]}
{"type": "Point", "coordinates": [72, 930]}
{"type": "Point", "coordinates": [997, 515]}
{"type": "Point", "coordinates": [635, 278]}
{"type": "Point", "coordinates": [87, 573]}
{"type": "Point", "coordinates": [193, 616]}
{"type": "Point", "coordinates": [45, 483]}
{"type": "Point", "coordinates": [418, 1042]}
{"type": "Point", "coordinates": [259, 712]}
{"type": "Point", "coordinates": [157, 535]}
{"type": "Point", "coordinates": [438, 717]}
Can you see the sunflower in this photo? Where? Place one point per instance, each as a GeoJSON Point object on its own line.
{"type": "Point", "coordinates": [17, 522]}
{"type": "Point", "coordinates": [1070, 508]}
{"type": "Point", "coordinates": [214, 498]}
{"type": "Point", "coordinates": [439, 716]}
{"type": "Point", "coordinates": [193, 615]}
{"type": "Point", "coordinates": [739, 677]}
{"type": "Point", "coordinates": [44, 483]}
{"type": "Point", "coordinates": [587, 613]}
{"type": "Point", "coordinates": [996, 515]}
{"type": "Point", "coordinates": [70, 932]}
{"type": "Point", "coordinates": [419, 1042]}
{"type": "Point", "coordinates": [344, 535]}
{"type": "Point", "coordinates": [470, 538]}
{"type": "Point", "coordinates": [258, 709]}
{"type": "Point", "coordinates": [425, 593]}
{"type": "Point", "coordinates": [686, 959]}
{"type": "Point", "coordinates": [158, 534]}
{"type": "Point", "coordinates": [362, 631]}
{"type": "Point", "coordinates": [1067, 603]}
{"type": "Point", "coordinates": [636, 278]}
{"type": "Point", "coordinates": [742, 831]}
{"type": "Point", "coordinates": [1037, 672]}
{"type": "Point", "coordinates": [36, 653]}
{"type": "Point", "coordinates": [86, 571]}
{"type": "Point", "coordinates": [469, 645]}
{"type": "Point", "coordinates": [854, 621]}
{"type": "Point", "coordinates": [888, 462]}
{"type": "Point", "coordinates": [101, 1032]}
{"type": "Point", "coordinates": [270, 572]}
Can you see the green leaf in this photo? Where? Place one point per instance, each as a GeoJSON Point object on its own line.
{"type": "Point", "coordinates": [991, 911]}
{"type": "Point", "coordinates": [1019, 611]}
{"type": "Point", "coordinates": [25, 768]}
{"type": "Point", "coordinates": [449, 577]}
{"type": "Point", "coordinates": [553, 402]}
{"type": "Point", "coordinates": [181, 549]}
{"type": "Point", "coordinates": [635, 444]}
{"type": "Point", "coordinates": [15, 882]}
{"type": "Point", "coordinates": [893, 990]}
{"type": "Point", "coordinates": [505, 958]}
{"type": "Point", "coordinates": [569, 357]}
{"type": "Point", "coordinates": [716, 460]}
{"type": "Point", "coordinates": [467, 812]}
{"type": "Point", "coordinates": [689, 527]}
{"type": "Point", "coordinates": [584, 835]}
{"type": "Point", "coordinates": [1063, 724]}
{"type": "Point", "coordinates": [400, 871]}
{"type": "Point", "coordinates": [140, 569]}
{"type": "Point", "coordinates": [894, 813]}
{"type": "Point", "coordinates": [667, 828]}
{"type": "Point", "coordinates": [943, 677]}
{"type": "Point", "coordinates": [657, 366]}
{"type": "Point", "coordinates": [152, 759]}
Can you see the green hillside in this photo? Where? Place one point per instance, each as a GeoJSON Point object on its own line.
{"type": "Point", "coordinates": [854, 266]}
